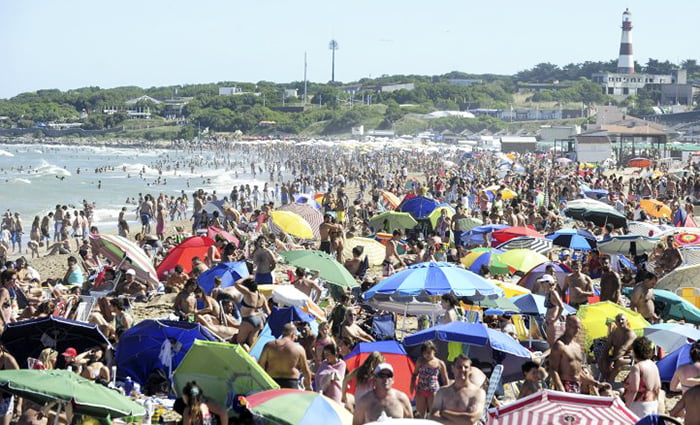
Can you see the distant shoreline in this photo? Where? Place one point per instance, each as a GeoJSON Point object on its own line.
{"type": "Point", "coordinates": [119, 143]}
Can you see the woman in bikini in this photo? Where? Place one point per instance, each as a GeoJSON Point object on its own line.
{"type": "Point", "coordinates": [643, 384]}
{"type": "Point", "coordinates": [426, 378]}
{"type": "Point", "coordinates": [253, 307]}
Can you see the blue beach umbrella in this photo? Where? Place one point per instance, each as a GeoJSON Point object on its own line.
{"type": "Point", "coordinates": [476, 235]}
{"type": "Point", "coordinates": [435, 278]}
{"type": "Point", "coordinates": [419, 206]}
{"type": "Point", "coordinates": [578, 239]}
{"type": "Point", "coordinates": [228, 272]}
{"type": "Point", "coordinates": [596, 193]}
{"type": "Point", "coordinates": [669, 364]}
{"type": "Point", "coordinates": [533, 304]}
{"type": "Point", "coordinates": [482, 344]}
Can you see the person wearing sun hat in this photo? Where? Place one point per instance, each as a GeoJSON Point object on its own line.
{"type": "Point", "coordinates": [383, 401]}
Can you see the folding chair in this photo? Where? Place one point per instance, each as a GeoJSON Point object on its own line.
{"type": "Point", "coordinates": [82, 312]}
{"type": "Point", "coordinates": [383, 327]}
{"type": "Point", "coordinates": [494, 382]}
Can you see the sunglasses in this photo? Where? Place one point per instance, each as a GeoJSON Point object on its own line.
{"type": "Point", "coordinates": [385, 375]}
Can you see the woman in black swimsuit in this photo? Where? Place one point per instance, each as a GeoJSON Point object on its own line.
{"type": "Point", "coordinates": [253, 305]}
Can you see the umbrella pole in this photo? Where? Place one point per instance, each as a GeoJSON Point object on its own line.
{"type": "Point", "coordinates": [58, 413]}
{"type": "Point", "coordinates": [403, 321]}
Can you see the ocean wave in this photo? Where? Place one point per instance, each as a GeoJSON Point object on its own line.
{"type": "Point", "coordinates": [48, 169]}
{"type": "Point", "coordinates": [6, 153]}
{"type": "Point", "coordinates": [136, 168]}
{"type": "Point", "coordinates": [20, 180]}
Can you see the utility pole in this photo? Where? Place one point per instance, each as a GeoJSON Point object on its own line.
{"type": "Point", "coordinates": [305, 66]}
{"type": "Point", "coordinates": [333, 45]}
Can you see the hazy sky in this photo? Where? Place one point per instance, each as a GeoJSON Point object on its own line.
{"type": "Point", "coordinates": [69, 44]}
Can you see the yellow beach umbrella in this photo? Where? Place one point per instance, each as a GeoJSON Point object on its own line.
{"type": "Point", "coordinates": [594, 318]}
{"type": "Point", "coordinates": [505, 192]}
{"type": "Point", "coordinates": [511, 289]}
{"type": "Point", "coordinates": [655, 208]}
{"type": "Point", "coordinates": [292, 224]}
{"type": "Point", "coordinates": [435, 215]}
{"type": "Point", "coordinates": [373, 249]}
{"type": "Point", "coordinates": [522, 260]}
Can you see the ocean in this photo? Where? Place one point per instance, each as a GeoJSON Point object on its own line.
{"type": "Point", "coordinates": [35, 178]}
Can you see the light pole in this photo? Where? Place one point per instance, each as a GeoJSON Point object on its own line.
{"type": "Point", "coordinates": [333, 45]}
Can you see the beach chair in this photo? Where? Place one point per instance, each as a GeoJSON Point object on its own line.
{"type": "Point", "coordinates": [494, 382]}
{"type": "Point", "coordinates": [690, 294]}
{"type": "Point", "coordinates": [383, 327]}
{"type": "Point", "coordinates": [85, 306]}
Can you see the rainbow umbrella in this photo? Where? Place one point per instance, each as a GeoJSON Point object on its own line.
{"type": "Point", "coordinates": [522, 260]}
{"type": "Point", "coordinates": [296, 407]}
{"type": "Point", "coordinates": [687, 238]}
{"type": "Point", "coordinates": [478, 257]}
{"type": "Point", "coordinates": [117, 249]}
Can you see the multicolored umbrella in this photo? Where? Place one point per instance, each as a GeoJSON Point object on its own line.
{"type": "Point", "coordinates": [292, 224]}
{"type": "Point", "coordinates": [312, 216]}
{"type": "Point", "coordinates": [478, 257]}
{"type": "Point", "coordinates": [296, 407]}
{"type": "Point", "coordinates": [511, 290]}
{"type": "Point", "coordinates": [435, 278]}
{"type": "Point", "coordinates": [655, 208]}
{"type": "Point", "coordinates": [687, 238]}
{"type": "Point", "coordinates": [195, 246]}
{"type": "Point", "coordinates": [373, 249]}
{"type": "Point", "coordinates": [63, 386]}
{"type": "Point", "coordinates": [329, 269]}
{"type": "Point", "coordinates": [391, 220]}
{"type": "Point", "coordinates": [594, 319]}
{"type": "Point", "coordinates": [522, 260]}
{"type": "Point", "coordinates": [389, 200]}
{"type": "Point", "coordinates": [554, 407]}
{"type": "Point", "coordinates": [223, 371]}
{"type": "Point", "coordinates": [393, 353]}
{"type": "Point", "coordinates": [117, 249]}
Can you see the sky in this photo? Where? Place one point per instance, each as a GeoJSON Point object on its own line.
{"type": "Point", "coordinates": [68, 44]}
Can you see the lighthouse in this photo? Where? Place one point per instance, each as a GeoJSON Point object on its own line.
{"type": "Point", "coordinates": [625, 63]}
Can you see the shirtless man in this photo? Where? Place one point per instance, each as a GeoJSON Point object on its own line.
{"type": "Point", "coordinates": [354, 264]}
{"type": "Point", "coordinates": [383, 401]}
{"type": "Point", "coordinates": [462, 402]}
{"type": "Point", "coordinates": [146, 213]}
{"type": "Point", "coordinates": [176, 280]}
{"type": "Point", "coordinates": [610, 282]}
{"type": "Point", "coordinates": [285, 360]}
{"type": "Point", "coordinates": [579, 285]}
{"type": "Point", "coordinates": [391, 256]}
{"type": "Point", "coordinates": [325, 230]}
{"type": "Point", "coordinates": [351, 329]}
{"type": "Point", "coordinates": [642, 298]}
{"type": "Point", "coordinates": [198, 267]}
{"type": "Point", "coordinates": [670, 258]}
{"type": "Point", "coordinates": [690, 405]}
{"type": "Point", "coordinates": [185, 303]}
{"type": "Point", "coordinates": [565, 361]}
{"type": "Point", "coordinates": [620, 341]}
{"type": "Point", "coordinates": [305, 284]}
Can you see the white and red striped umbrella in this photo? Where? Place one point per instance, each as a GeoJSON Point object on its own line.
{"type": "Point", "coordinates": [118, 249]}
{"type": "Point", "coordinates": [308, 213]}
{"type": "Point", "coordinates": [557, 408]}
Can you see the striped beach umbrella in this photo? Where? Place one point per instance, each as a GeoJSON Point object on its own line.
{"type": "Point", "coordinates": [296, 407]}
{"type": "Point", "coordinates": [118, 249]}
{"type": "Point", "coordinates": [554, 407]}
{"type": "Point", "coordinates": [373, 249]}
{"type": "Point", "coordinates": [539, 245]}
{"type": "Point", "coordinates": [313, 216]}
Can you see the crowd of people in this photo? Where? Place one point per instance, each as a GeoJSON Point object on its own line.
{"type": "Point", "coordinates": [520, 190]}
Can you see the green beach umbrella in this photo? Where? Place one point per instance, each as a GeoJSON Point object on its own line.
{"type": "Point", "coordinates": [394, 220]}
{"type": "Point", "coordinates": [86, 397]}
{"type": "Point", "coordinates": [223, 371]}
{"type": "Point", "coordinates": [296, 407]}
{"type": "Point", "coordinates": [504, 304]}
{"type": "Point", "coordinates": [329, 269]}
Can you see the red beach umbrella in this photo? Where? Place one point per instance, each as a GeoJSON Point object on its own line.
{"type": "Point", "coordinates": [212, 232]}
{"type": "Point", "coordinates": [509, 233]}
{"type": "Point", "coordinates": [195, 246]}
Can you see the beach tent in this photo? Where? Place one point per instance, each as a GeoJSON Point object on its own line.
{"type": "Point", "coordinates": [554, 407]}
{"type": "Point", "coordinates": [156, 344]}
{"type": "Point", "coordinates": [393, 353]}
{"type": "Point", "coordinates": [182, 254]}
{"type": "Point", "coordinates": [228, 272]}
{"type": "Point", "coordinates": [669, 364]}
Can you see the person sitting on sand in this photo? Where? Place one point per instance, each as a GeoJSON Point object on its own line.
{"type": "Point", "coordinates": [130, 286]}
{"type": "Point", "coordinates": [62, 247]}
{"type": "Point", "coordinates": [176, 280]}
{"type": "Point", "coordinates": [185, 303]}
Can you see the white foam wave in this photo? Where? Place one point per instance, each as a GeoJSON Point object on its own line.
{"type": "Point", "coordinates": [136, 168]}
{"type": "Point", "coordinates": [47, 169]}
{"type": "Point", "coordinates": [6, 153]}
{"type": "Point", "coordinates": [20, 180]}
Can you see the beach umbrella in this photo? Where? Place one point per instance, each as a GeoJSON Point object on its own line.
{"type": "Point", "coordinates": [228, 272]}
{"type": "Point", "coordinates": [505, 192]}
{"type": "Point", "coordinates": [280, 316]}
{"type": "Point", "coordinates": [156, 344]}
{"type": "Point", "coordinates": [671, 336]}
{"type": "Point", "coordinates": [308, 199]}
{"type": "Point", "coordinates": [120, 250]}
{"type": "Point", "coordinates": [374, 250]}
{"type": "Point", "coordinates": [182, 254]}
{"type": "Point", "coordinates": [577, 239]}
{"type": "Point", "coordinates": [594, 319]}
{"type": "Point", "coordinates": [262, 340]}
{"type": "Point", "coordinates": [509, 233]}
{"type": "Point", "coordinates": [214, 206]}
{"type": "Point", "coordinates": [389, 200]}
{"type": "Point", "coordinates": [480, 343]}
{"type": "Point", "coordinates": [655, 208]}
{"type": "Point", "coordinates": [680, 277]}
{"type": "Point", "coordinates": [288, 295]}
{"type": "Point", "coordinates": [604, 217]}
{"type": "Point", "coordinates": [329, 269]}
{"type": "Point", "coordinates": [672, 231]}
{"type": "Point", "coordinates": [86, 397]}
{"type": "Point", "coordinates": [27, 338]}
{"type": "Point", "coordinates": [223, 371]}
{"type": "Point", "coordinates": [639, 162]}
{"type": "Point", "coordinates": [522, 260]}
{"type": "Point", "coordinates": [497, 306]}
{"type": "Point", "coordinates": [539, 245]}
{"type": "Point", "coordinates": [578, 206]}
{"type": "Point", "coordinates": [642, 228]}
{"type": "Point", "coordinates": [292, 224]}
{"type": "Point", "coordinates": [468, 223]}
{"type": "Point", "coordinates": [419, 207]}
{"type": "Point", "coordinates": [394, 354]}
{"type": "Point", "coordinates": [690, 254]}
{"type": "Point", "coordinates": [391, 220]}
{"type": "Point", "coordinates": [437, 212]}
{"type": "Point", "coordinates": [296, 407]}
{"type": "Point", "coordinates": [596, 193]}
{"type": "Point", "coordinates": [478, 257]}
{"type": "Point", "coordinates": [312, 216]}
{"type": "Point", "coordinates": [554, 407]}
{"type": "Point", "coordinates": [432, 279]}
{"type": "Point", "coordinates": [533, 304]}
{"type": "Point", "coordinates": [671, 306]}
{"type": "Point", "coordinates": [476, 235]}
{"type": "Point", "coordinates": [563, 161]}
{"type": "Point", "coordinates": [561, 270]}
{"type": "Point", "coordinates": [671, 362]}
{"type": "Point", "coordinates": [213, 232]}
{"type": "Point", "coordinates": [511, 290]}
{"type": "Point", "coordinates": [687, 238]}
{"type": "Point", "coordinates": [627, 244]}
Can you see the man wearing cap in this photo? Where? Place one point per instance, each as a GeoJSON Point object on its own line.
{"type": "Point", "coordinates": [383, 401]}
{"type": "Point", "coordinates": [461, 402]}
{"type": "Point", "coordinates": [130, 286]}
{"type": "Point", "coordinates": [69, 359]}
